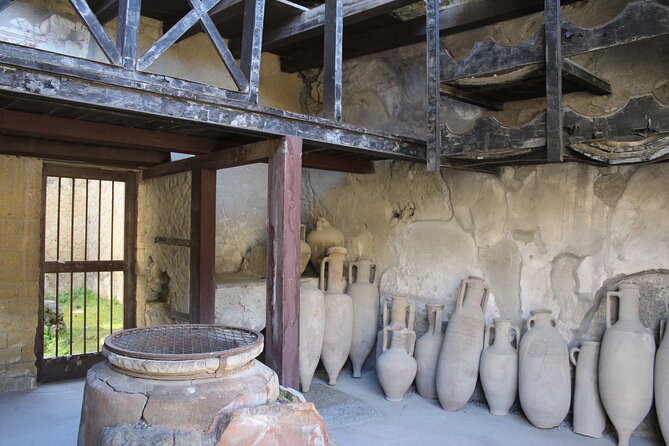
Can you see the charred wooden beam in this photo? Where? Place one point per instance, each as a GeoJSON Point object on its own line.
{"type": "Point", "coordinates": [64, 129]}
{"type": "Point", "coordinates": [554, 141]}
{"type": "Point", "coordinates": [452, 19]}
{"type": "Point", "coordinates": [314, 160]}
{"type": "Point", "coordinates": [433, 52]}
{"type": "Point", "coordinates": [4, 4]}
{"type": "Point", "coordinates": [127, 31]}
{"type": "Point", "coordinates": [332, 56]}
{"type": "Point", "coordinates": [311, 23]}
{"type": "Point", "coordinates": [85, 153]}
{"type": "Point", "coordinates": [97, 31]}
{"type": "Point", "coordinates": [203, 247]}
{"type": "Point", "coordinates": [583, 78]}
{"type": "Point", "coordinates": [282, 333]}
{"type": "Point", "coordinates": [237, 156]}
{"type": "Point", "coordinates": [471, 98]}
{"type": "Point", "coordinates": [37, 74]}
{"type": "Point", "coordinates": [254, 18]}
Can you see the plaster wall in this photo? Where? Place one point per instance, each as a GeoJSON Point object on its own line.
{"type": "Point", "coordinates": [20, 195]}
{"type": "Point", "coordinates": [163, 270]}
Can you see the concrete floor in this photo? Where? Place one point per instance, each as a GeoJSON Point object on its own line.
{"type": "Point", "coordinates": [355, 410]}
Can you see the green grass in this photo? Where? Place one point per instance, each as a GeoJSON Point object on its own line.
{"type": "Point", "coordinates": [76, 325]}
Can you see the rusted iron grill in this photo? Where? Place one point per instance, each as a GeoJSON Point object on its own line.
{"type": "Point", "coordinates": [183, 342]}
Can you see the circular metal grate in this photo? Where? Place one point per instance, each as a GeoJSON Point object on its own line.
{"type": "Point", "coordinates": [183, 342]}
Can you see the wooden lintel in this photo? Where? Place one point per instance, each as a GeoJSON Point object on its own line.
{"type": "Point", "coordinates": [314, 160]}
{"type": "Point", "coordinates": [86, 153]}
{"type": "Point", "coordinates": [203, 247]}
{"type": "Point", "coordinates": [64, 129]}
{"type": "Point", "coordinates": [236, 156]}
{"type": "Point", "coordinates": [282, 332]}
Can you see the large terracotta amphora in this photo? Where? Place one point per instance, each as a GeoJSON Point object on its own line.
{"type": "Point", "coordinates": [312, 331]}
{"type": "Point", "coordinates": [458, 365]}
{"type": "Point", "coordinates": [499, 366]}
{"type": "Point", "coordinates": [662, 382]}
{"type": "Point", "coordinates": [427, 353]}
{"type": "Point", "coordinates": [305, 249]}
{"type": "Point", "coordinates": [338, 314]}
{"type": "Point", "coordinates": [544, 378]}
{"type": "Point", "coordinates": [398, 314]}
{"type": "Point", "coordinates": [396, 367]}
{"type": "Point", "coordinates": [626, 362]}
{"type": "Point", "coordinates": [365, 297]}
{"type": "Point", "coordinates": [324, 237]}
{"type": "Point", "coordinates": [589, 416]}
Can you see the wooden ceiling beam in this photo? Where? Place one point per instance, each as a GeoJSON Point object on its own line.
{"type": "Point", "coordinates": [64, 129]}
{"type": "Point", "coordinates": [85, 153]}
{"type": "Point", "coordinates": [313, 160]}
{"type": "Point", "coordinates": [311, 23]}
{"type": "Point", "coordinates": [452, 19]}
{"type": "Point", "coordinates": [256, 152]}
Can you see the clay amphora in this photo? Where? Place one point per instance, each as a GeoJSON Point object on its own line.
{"type": "Point", "coordinates": [305, 250]}
{"type": "Point", "coordinates": [365, 297]}
{"type": "Point", "coordinates": [312, 330]}
{"type": "Point", "coordinates": [499, 366]}
{"type": "Point", "coordinates": [626, 362]}
{"type": "Point", "coordinates": [338, 314]}
{"type": "Point", "coordinates": [401, 314]}
{"type": "Point", "coordinates": [544, 378]}
{"type": "Point", "coordinates": [458, 365]}
{"type": "Point", "coordinates": [321, 239]}
{"type": "Point", "coordinates": [589, 416]}
{"type": "Point", "coordinates": [427, 353]}
{"type": "Point", "coordinates": [662, 382]}
{"type": "Point", "coordinates": [396, 367]}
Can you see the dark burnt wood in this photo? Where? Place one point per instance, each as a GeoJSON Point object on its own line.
{"type": "Point", "coordinates": [97, 31]}
{"type": "Point", "coordinates": [332, 62]}
{"type": "Point", "coordinates": [127, 31]}
{"type": "Point", "coordinates": [433, 54]}
{"type": "Point", "coordinates": [254, 18]}
{"type": "Point", "coordinates": [337, 163]}
{"type": "Point", "coordinates": [640, 20]}
{"type": "Point", "coordinates": [283, 259]}
{"type": "Point", "coordinates": [203, 247]}
{"type": "Point", "coordinates": [554, 142]}
{"type": "Point", "coordinates": [452, 19]}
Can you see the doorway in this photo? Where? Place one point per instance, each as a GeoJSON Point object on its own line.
{"type": "Point", "coordinates": [87, 283]}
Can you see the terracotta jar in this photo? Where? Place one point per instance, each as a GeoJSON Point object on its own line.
{"type": "Point", "coordinates": [589, 416]}
{"type": "Point", "coordinates": [499, 366]}
{"type": "Point", "coordinates": [662, 382]}
{"type": "Point", "coordinates": [338, 314]}
{"type": "Point", "coordinates": [458, 365]}
{"type": "Point", "coordinates": [321, 239]}
{"type": "Point", "coordinates": [399, 314]}
{"type": "Point", "coordinates": [626, 362]}
{"type": "Point", "coordinates": [396, 367]}
{"type": "Point", "coordinates": [365, 297]}
{"type": "Point", "coordinates": [427, 352]}
{"type": "Point", "coordinates": [305, 249]}
{"type": "Point", "coordinates": [544, 378]}
{"type": "Point", "coordinates": [312, 331]}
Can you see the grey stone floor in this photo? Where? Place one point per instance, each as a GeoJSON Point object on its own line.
{"type": "Point", "coordinates": [355, 410]}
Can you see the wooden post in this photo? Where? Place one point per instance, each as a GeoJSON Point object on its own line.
{"type": "Point", "coordinates": [283, 258]}
{"type": "Point", "coordinates": [554, 116]}
{"type": "Point", "coordinates": [333, 59]}
{"type": "Point", "coordinates": [433, 70]}
{"type": "Point", "coordinates": [202, 246]}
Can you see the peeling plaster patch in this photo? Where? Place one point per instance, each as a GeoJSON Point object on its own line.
{"type": "Point", "coordinates": [610, 187]}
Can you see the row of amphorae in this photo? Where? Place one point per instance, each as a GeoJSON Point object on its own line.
{"type": "Point", "coordinates": [617, 378]}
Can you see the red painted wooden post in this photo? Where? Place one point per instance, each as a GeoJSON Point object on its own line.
{"type": "Point", "coordinates": [283, 254]}
{"type": "Point", "coordinates": [203, 246]}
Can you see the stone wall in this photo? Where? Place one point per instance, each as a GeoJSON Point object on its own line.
{"type": "Point", "coordinates": [20, 190]}
{"type": "Point", "coordinates": [163, 270]}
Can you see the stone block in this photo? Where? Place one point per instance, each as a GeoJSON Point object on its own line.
{"type": "Point", "coordinates": [3, 340]}
{"type": "Point", "coordinates": [22, 369]}
{"type": "Point", "coordinates": [295, 424]}
{"type": "Point", "coordinates": [16, 383]}
{"type": "Point", "coordinates": [10, 355]}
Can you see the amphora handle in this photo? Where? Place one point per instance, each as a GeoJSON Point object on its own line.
{"type": "Point", "coordinates": [385, 345]}
{"type": "Point", "coordinates": [609, 295]}
{"type": "Point", "coordinates": [411, 316]}
{"type": "Point", "coordinates": [516, 330]}
{"type": "Point", "coordinates": [350, 272]}
{"type": "Point", "coordinates": [386, 312]}
{"type": "Point", "coordinates": [663, 326]}
{"type": "Point", "coordinates": [486, 335]}
{"type": "Point", "coordinates": [438, 315]}
{"type": "Point", "coordinates": [411, 342]}
{"type": "Point", "coordinates": [572, 355]}
{"type": "Point", "coordinates": [321, 285]}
